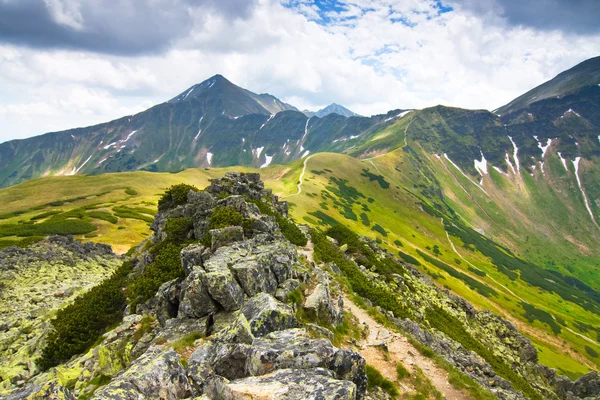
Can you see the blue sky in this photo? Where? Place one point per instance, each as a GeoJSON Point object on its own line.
{"type": "Point", "coordinates": [69, 63]}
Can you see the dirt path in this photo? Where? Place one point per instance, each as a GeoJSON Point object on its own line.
{"type": "Point", "coordinates": [400, 351]}
{"type": "Point", "coordinates": [301, 178]}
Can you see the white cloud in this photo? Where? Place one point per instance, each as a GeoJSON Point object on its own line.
{"type": "Point", "coordinates": [365, 58]}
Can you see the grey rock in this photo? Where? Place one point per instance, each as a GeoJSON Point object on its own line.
{"type": "Point", "coordinates": [164, 304]}
{"type": "Point", "coordinates": [255, 277]}
{"type": "Point", "coordinates": [156, 374]}
{"type": "Point", "coordinates": [195, 301]}
{"type": "Point", "coordinates": [320, 303]}
{"type": "Point", "coordinates": [289, 349]}
{"type": "Point", "coordinates": [225, 236]}
{"type": "Point", "coordinates": [287, 287]}
{"type": "Point", "coordinates": [290, 384]}
{"type": "Point", "coordinates": [192, 256]}
{"type": "Point", "coordinates": [224, 289]}
{"type": "Point", "coordinates": [237, 331]}
{"type": "Point", "coordinates": [266, 314]}
{"type": "Point", "coordinates": [177, 328]}
{"type": "Point", "coordinates": [225, 360]}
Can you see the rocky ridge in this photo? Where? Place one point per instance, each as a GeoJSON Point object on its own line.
{"type": "Point", "coordinates": [228, 327]}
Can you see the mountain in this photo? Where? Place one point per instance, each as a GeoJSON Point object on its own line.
{"type": "Point", "coordinates": [335, 109]}
{"type": "Point", "coordinates": [212, 124]}
{"type": "Point", "coordinates": [585, 74]}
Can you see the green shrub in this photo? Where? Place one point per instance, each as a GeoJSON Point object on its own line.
{"type": "Point", "coordinates": [174, 196]}
{"type": "Point", "coordinates": [364, 218]}
{"type": "Point", "coordinates": [80, 324]}
{"type": "Point", "coordinates": [374, 378]}
{"type": "Point", "coordinates": [177, 229]}
{"type": "Point", "coordinates": [134, 213]}
{"type": "Point", "coordinates": [131, 192]}
{"type": "Point", "coordinates": [49, 227]}
{"type": "Point", "coordinates": [591, 351]}
{"type": "Point", "coordinates": [166, 267]}
{"type": "Point", "coordinates": [104, 216]}
{"type": "Point", "coordinates": [380, 229]}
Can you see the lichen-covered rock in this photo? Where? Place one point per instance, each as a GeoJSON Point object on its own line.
{"type": "Point", "coordinates": [156, 374]}
{"type": "Point", "coordinates": [194, 299]}
{"type": "Point", "coordinates": [193, 255]}
{"type": "Point", "coordinates": [289, 349]}
{"type": "Point", "coordinates": [215, 360]}
{"type": "Point", "coordinates": [287, 287]}
{"type": "Point", "coordinates": [224, 289]}
{"type": "Point", "coordinates": [255, 277]}
{"type": "Point", "coordinates": [164, 304]}
{"type": "Point", "coordinates": [225, 236]}
{"type": "Point", "coordinates": [114, 353]}
{"type": "Point", "coordinates": [238, 331]}
{"type": "Point", "coordinates": [266, 314]}
{"type": "Point", "coordinates": [320, 303]}
{"type": "Point", "coordinates": [290, 384]}
{"type": "Point", "coordinates": [51, 391]}
{"type": "Point", "coordinates": [177, 328]}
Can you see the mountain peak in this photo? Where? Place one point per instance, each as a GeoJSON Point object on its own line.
{"type": "Point", "coordinates": [334, 108]}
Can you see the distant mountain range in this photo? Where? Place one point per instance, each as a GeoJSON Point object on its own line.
{"type": "Point", "coordinates": [216, 124]}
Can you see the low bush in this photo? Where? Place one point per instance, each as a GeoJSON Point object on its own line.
{"type": "Point", "coordinates": [174, 196]}
{"type": "Point", "coordinates": [104, 216]}
{"type": "Point", "coordinates": [288, 227]}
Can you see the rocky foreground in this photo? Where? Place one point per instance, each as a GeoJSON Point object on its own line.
{"type": "Point", "coordinates": [247, 318]}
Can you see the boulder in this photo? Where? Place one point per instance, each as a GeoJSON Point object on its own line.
{"type": "Point", "coordinates": [290, 384]}
{"type": "Point", "coordinates": [214, 361]}
{"type": "Point", "coordinates": [224, 289]}
{"type": "Point", "coordinates": [156, 374]}
{"type": "Point", "coordinates": [289, 349]}
{"type": "Point", "coordinates": [177, 328]}
{"type": "Point", "coordinates": [255, 277]}
{"type": "Point", "coordinates": [320, 304]}
{"type": "Point", "coordinates": [237, 331]}
{"type": "Point", "coordinates": [225, 236]}
{"type": "Point", "coordinates": [192, 256]}
{"type": "Point", "coordinates": [195, 301]}
{"type": "Point", "coordinates": [266, 314]}
{"type": "Point", "coordinates": [287, 287]}
{"type": "Point", "coordinates": [164, 304]}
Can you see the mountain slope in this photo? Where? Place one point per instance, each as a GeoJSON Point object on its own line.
{"type": "Point", "coordinates": [580, 76]}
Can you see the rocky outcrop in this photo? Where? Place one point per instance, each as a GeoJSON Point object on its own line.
{"type": "Point", "coordinates": [240, 340]}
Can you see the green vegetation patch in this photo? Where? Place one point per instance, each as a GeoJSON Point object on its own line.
{"type": "Point", "coordinates": [323, 218]}
{"type": "Point", "coordinates": [288, 227]}
{"type": "Point", "coordinates": [174, 196]}
{"type": "Point", "coordinates": [408, 258]}
{"type": "Point", "coordinates": [378, 178]}
{"type": "Point", "coordinates": [104, 216]}
{"type": "Point", "coordinates": [380, 229]}
{"type": "Point", "coordinates": [49, 227]}
{"type": "Point", "coordinates": [374, 379]}
{"type": "Point", "coordinates": [470, 282]}
{"type": "Point", "coordinates": [364, 218]}
{"type": "Point", "coordinates": [533, 313]}
{"type": "Point", "coordinates": [134, 213]}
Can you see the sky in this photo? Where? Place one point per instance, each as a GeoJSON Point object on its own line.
{"type": "Point", "coordinates": [71, 63]}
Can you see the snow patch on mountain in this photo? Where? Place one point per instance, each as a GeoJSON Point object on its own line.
{"type": "Point", "coordinates": [585, 199]}
{"type": "Point", "coordinates": [563, 161]}
{"type": "Point", "coordinates": [268, 160]}
{"type": "Point", "coordinates": [515, 154]}
{"type": "Point", "coordinates": [209, 157]}
{"type": "Point", "coordinates": [481, 166]}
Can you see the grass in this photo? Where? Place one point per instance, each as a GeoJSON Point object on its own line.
{"type": "Point", "coordinates": [374, 379]}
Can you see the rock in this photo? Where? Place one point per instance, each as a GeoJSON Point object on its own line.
{"type": "Point", "coordinates": [224, 289]}
{"type": "Point", "coordinates": [289, 349]}
{"type": "Point", "coordinates": [266, 314]}
{"type": "Point", "coordinates": [238, 331]}
{"type": "Point", "coordinates": [195, 301]}
{"type": "Point", "coordinates": [225, 236]}
{"type": "Point", "coordinates": [156, 374]}
{"type": "Point", "coordinates": [214, 360]}
{"type": "Point", "coordinates": [350, 366]}
{"type": "Point", "coordinates": [193, 255]}
{"type": "Point", "coordinates": [114, 353]}
{"type": "Point", "coordinates": [199, 204]}
{"type": "Point", "coordinates": [50, 391]}
{"type": "Point", "coordinates": [587, 386]}
{"type": "Point", "coordinates": [164, 304]}
{"type": "Point", "coordinates": [287, 287]}
{"type": "Point", "coordinates": [177, 328]}
{"type": "Point", "coordinates": [377, 393]}
{"type": "Point", "coordinates": [320, 304]}
{"type": "Point", "coordinates": [255, 277]}
{"type": "Point", "coordinates": [290, 384]}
